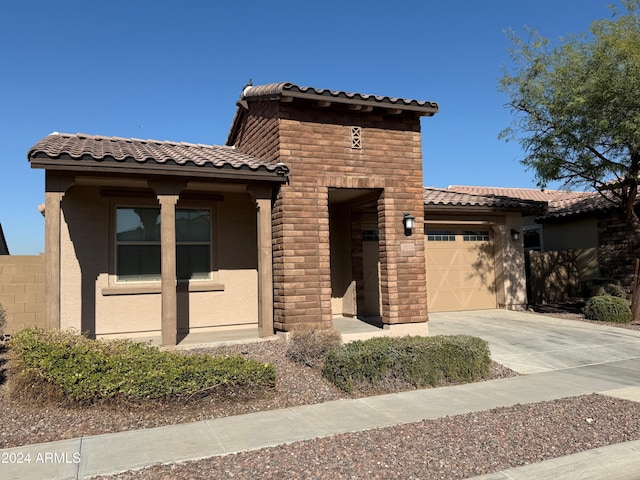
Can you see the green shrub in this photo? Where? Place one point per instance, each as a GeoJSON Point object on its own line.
{"type": "Point", "coordinates": [309, 345]}
{"type": "Point", "coordinates": [85, 370]}
{"type": "Point", "coordinates": [607, 308]}
{"type": "Point", "coordinates": [412, 361]}
{"type": "Point", "coordinates": [596, 287]}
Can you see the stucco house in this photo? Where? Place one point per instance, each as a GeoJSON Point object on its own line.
{"type": "Point", "coordinates": [583, 223]}
{"type": "Point", "coordinates": [314, 209]}
{"type": "Point", "coordinates": [566, 221]}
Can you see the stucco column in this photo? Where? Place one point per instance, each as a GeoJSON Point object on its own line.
{"type": "Point", "coordinates": [55, 188]}
{"type": "Point", "coordinates": [262, 197]}
{"type": "Point", "coordinates": [265, 269]}
{"type": "Point", "coordinates": [52, 257]}
{"type": "Point", "coordinates": [168, 265]}
{"type": "Point", "coordinates": [499, 240]}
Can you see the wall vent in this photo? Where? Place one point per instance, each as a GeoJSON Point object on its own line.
{"type": "Point", "coordinates": [356, 138]}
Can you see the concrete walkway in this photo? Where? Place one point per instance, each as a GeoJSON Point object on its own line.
{"type": "Point", "coordinates": [620, 377]}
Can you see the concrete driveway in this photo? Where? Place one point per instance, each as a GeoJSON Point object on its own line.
{"type": "Point", "coordinates": [530, 343]}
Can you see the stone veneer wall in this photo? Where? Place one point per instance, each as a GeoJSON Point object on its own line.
{"type": "Point", "coordinates": [315, 143]}
{"type": "Point", "coordinates": [618, 249]}
{"type": "Point", "coordinates": [22, 291]}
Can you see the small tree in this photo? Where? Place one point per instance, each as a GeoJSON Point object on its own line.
{"type": "Point", "coordinates": [577, 108]}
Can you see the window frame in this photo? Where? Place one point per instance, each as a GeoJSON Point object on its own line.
{"type": "Point", "coordinates": [141, 243]}
{"type": "Point", "coordinates": [118, 286]}
{"type": "Point", "coordinates": [441, 235]}
{"type": "Point", "coordinates": [476, 235]}
{"type": "Point", "coordinates": [537, 228]}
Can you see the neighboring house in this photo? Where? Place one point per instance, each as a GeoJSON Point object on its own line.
{"type": "Point", "coordinates": [579, 221]}
{"type": "Point", "coordinates": [4, 249]}
{"type": "Point", "coordinates": [301, 218]}
{"type": "Point", "coordinates": [567, 221]}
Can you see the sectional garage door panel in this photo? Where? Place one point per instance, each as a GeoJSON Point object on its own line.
{"type": "Point", "coordinates": [460, 269]}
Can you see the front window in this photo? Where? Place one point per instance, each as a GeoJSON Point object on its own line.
{"type": "Point", "coordinates": [193, 244]}
{"type": "Point", "coordinates": [138, 251]}
{"type": "Point", "coordinates": [532, 238]}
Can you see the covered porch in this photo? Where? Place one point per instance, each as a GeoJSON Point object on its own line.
{"type": "Point", "coordinates": [350, 329]}
{"type": "Point", "coordinates": [147, 238]}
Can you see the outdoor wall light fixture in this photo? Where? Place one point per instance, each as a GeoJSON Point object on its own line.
{"type": "Point", "coordinates": [515, 235]}
{"type": "Point", "coordinates": [409, 222]}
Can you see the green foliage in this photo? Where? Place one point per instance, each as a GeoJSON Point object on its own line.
{"type": "Point", "coordinates": [309, 346]}
{"type": "Point", "coordinates": [87, 370]}
{"type": "Point", "coordinates": [608, 309]}
{"type": "Point", "coordinates": [603, 286]}
{"type": "Point", "coordinates": [577, 107]}
{"type": "Point", "coordinates": [415, 361]}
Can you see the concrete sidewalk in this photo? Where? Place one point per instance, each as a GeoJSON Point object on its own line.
{"type": "Point", "coordinates": [562, 358]}
{"type": "Point", "coordinates": [117, 452]}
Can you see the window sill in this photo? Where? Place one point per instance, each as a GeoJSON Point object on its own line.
{"type": "Point", "coordinates": [156, 288]}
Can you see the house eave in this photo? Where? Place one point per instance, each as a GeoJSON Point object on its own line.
{"type": "Point", "coordinates": [169, 169]}
{"type": "Point", "coordinates": [478, 209]}
{"type": "Point", "coordinates": [423, 110]}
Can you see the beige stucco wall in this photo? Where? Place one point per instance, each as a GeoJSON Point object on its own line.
{"type": "Point", "coordinates": [508, 254]}
{"type": "Point", "coordinates": [92, 300]}
{"type": "Point", "coordinates": [22, 291]}
{"type": "Point", "coordinates": [514, 283]}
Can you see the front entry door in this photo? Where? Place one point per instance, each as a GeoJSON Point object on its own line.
{"type": "Point", "coordinates": [371, 271]}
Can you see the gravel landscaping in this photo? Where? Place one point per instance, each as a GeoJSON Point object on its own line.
{"type": "Point", "coordinates": [24, 424]}
{"type": "Point", "coordinates": [447, 448]}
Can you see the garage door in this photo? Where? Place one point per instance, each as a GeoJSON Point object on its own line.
{"type": "Point", "coordinates": [460, 269]}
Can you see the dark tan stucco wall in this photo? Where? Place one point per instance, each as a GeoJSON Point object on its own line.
{"type": "Point", "coordinates": [22, 291]}
{"type": "Point", "coordinates": [92, 300]}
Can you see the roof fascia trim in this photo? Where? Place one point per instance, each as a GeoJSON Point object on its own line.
{"type": "Point", "coordinates": [229, 173]}
{"type": "Point", "coordinates": [479, 209]}
{"type": "Point", "coordinates": [354, 101]}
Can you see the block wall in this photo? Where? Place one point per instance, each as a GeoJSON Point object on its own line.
{"type": "Point", "coordinates": [22, 291]}
{"type": "Point", "coordinates": [618, 249]}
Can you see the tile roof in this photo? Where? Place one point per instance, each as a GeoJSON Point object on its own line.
{"type": "Point", "coordinates": [522, 193]}
{"type": "Point", "coordinates": [585, 202]}
{"type": "Point", "coordinates": [276, 90]}
{"type": "Point", "coordinates": [82, 147]}
{"type": "Point", "coordinates": [448, 197]}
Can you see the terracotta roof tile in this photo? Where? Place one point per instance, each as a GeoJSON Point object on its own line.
{"type": "Point", "coordinates": [98, 148]}
{"type": "Point", "coordinates": [523, 193]}
{"type": "Point", "coordinates": [290, 89]}
{"type": "Point", "coordinates": [585, 202]}
{"type": "Point", "coordinates": [560, 203]}
{"type": "Point", "coordinates": [448, 197]}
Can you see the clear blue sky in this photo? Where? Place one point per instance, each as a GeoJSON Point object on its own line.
{"type": "Point", "coordinates": [172, 70]}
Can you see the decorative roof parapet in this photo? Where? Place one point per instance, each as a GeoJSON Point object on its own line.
{"type": "Point", "coordinates": [285, 89]}
{"type": "Point", "coordinates": [285, 92]}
